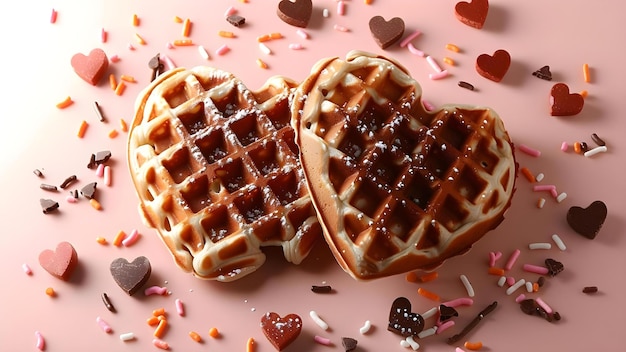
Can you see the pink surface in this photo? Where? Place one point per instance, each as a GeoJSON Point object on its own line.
{"type": "Point", "coordinates": [562, 34]}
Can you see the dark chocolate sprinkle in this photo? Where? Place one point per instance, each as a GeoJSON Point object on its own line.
{"type": "Point", "coordinates": [472, 324]}
{"type": "Point", "coordinates": [89, 190]}
{"type": "Point", "coordinates": [68, 181]}
{"type": "Point", "coordinates": [48, 205]}
{"type": "Point", "coordinates": [556, 316]}
{"type": "Point", "coordinates": [466, 85]}
{"type": "Point", "coordinates": [584, 147]}
{"type": "Point", "coordinates": [543, 73]}
{"type": "Point", "coordinates": [348, 343]}
{"type": "Point", "coordinates": [38, 173]}
{"type": "Point", "coordinates": [107, 303]}
{"type": "Point", "coordinates": [541, 281]}
{"type": "Point", "coordinates": [74, 193]}
{"type": "Point", "coordinates": [236, 20]}
{"type": "Point", "coordinates": [47, 187]}
{"type": "Point", "coordinates": [98, 110]}
{"type": "Point", "coordinates": [597, 140]}
{"type": "Point", "coordinates": [590, 289]}
{"type": "Point", "coordinates": [321, 289]}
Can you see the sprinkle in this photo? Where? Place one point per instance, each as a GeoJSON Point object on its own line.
{"type": "Point", "coordinates": [296, 46]}
{"type": "Point", "coordinates": [545, 188]}
{"type": "Point", "coordinates": [102, 240]}
{"type": "Point", "coordinates": [128, 336]}
{"type": "Point", "coordinates": [261, 64]}
{"type": "Point", "coordinates": [68, 181]}
{"type": "Point", "coordinates": [453, 48]}
{"type": "Point", "coordinates": [577, 148]}
{"type": "Point", "coordinates": [543, 305]}
{"type": "Point", "coordinates": [302, 33]}
{"type": "Point", "coordinates": [597, 140]}
{"type": "Point", "coordinates": [139, 39]}
{"type": "Point", "coordinates": [186, 27]}
{"type": "Point", "coordinates": [465, 85]}
{"type": "Point", "coordinates": [529, 287]}
{"type": "Point", "coordinates": [409, 38]}
{"type": "Point", "coordinates": [65, 103]}
{"type": "Point", "coordinates": [412, 343]}
{"type": "Point", "coordinates": [435, 66]}
{"type": "Point", "coordinates": [474, 346]}
{"type": "Point", "coordinates": [119, 90]}
{"type": "Point", "coordinates": [586, 73]}
{"type": "Point", "coordinates": [38, 173]}
{"type": "Point", "coordinates": [512, 259]}
{"type": "Point", "coordinates": [501, 281]}
{"type": "Point", "coordinates": [463, 301]}
{"type": "Point", "coordinates": [82, 129]}
{"type": "Point", "coordinates": [448, 61]}
{"type": "Point", "coordinates": [584, 147]}
{"type": "Point", "coordinates": [427, 332]}
{"type": "Point", "coordinates": [117, 241]}
{"type": "Point", "coordinates": [98, 111]}
{"type": "Point", "coordinates": [123, 125]}
{"type": "Point", "coordinates": [590, 289]}
{"type": "Point", "coordinates": [180, 308]}
{"type": "Point", "coordinates": [178, 19]}
{"type": "Point", "coordinates": [158, 312]}
{"type": "Point", "coordinates": [515, 286]}
{"type": "Point", "coordinates": [428, 294]}
{"type": "Point", "coordinates": [529, 176]}
{"type": "Point", "coordinates": [321, 289]}
{"type": "Point", "coordinates": [559, 242]}
{"type": "Point", "coordinates": [169, 45]}
{"type": "Point", "coordinates": [367, 326]}
{"type": "Point", "coordinates": [341, 8]}
{"type": "Point", "coordinates": [472, 324]}
{"type": "Point", "coordinates": [528, 150]}
{"type": "Point", "coordinates": [536, 269]}
{"type": "Point", "coordinates": [325, 13]}
{"type": "Point", "coordinates": [27, 270]}
{"type": "Point", "coordinates": [100, 170]}
{"type": "Point", "coordinates": [561, 197]}
{"type": "Point", "coordinates": [430, 313]}
{"type": "Point", "coordinates": [265, 49]}
{"type": "Point", "coordinates": [539, 245]}
{"type": "Point", "coordinates": [107, 172]}
{"type": "Point", "coordinates": [226, 34]}
{"type": "Point", "coordinates": [596, 150]}
{"type": "Point", "coordinates": [468, 285]}
{"type": "Point", "coordinates": [263, 38]}
{"type": "Point", "coordinates": [541, 202]}
{"type": "Point", "coordinates": [160, 329]}
{"type": "Point", "coordinates": [495, 271]}
{"type": "Point", "coordinates": [135, 20]}
{"type": "Point", "coordinates": [510, 280]}
{"type": "Point", "coordinates": [543, 73]}
{"type": "Point", "coordinates": [107, 303]}
{"type": "Point", "coordinates": [493, 257]}
{"type": "Point", "coordinates": [114, 58]}
{"type": "Point", "coordinates": [103, 35]}
{"type": "Point", "coordinates": [50, 292]}
{"type": "Point", "coordinates": [41, 343]}
{"type": "Point", "coordinates": [155, 290]}
{"type": "Point", "coordinates": [341, 28]}
{"type": "Point", "coordinates": [428, 105]}
{"type": "Point", "coordinates": [130, 47]}
{"type": "Point", "coordinates": [47, 187]}
{"type": "Point", "coordinates": [112, 81]}
{"type": "Point", "coordinates": [438, 75]}
{"type": "Point", "coordinates": [195, 336]}
{"type": "Point", "coordinates": [415, 51]}
{"type": "Point", "coordinates": [564, 147]}
{"type": "Point", "coordinates": [203, 53]}
{"type": "Point", "coordinates": [539, 177]}
{"type": "Point", "coordinates": [428, 277]}
{"type": "Point", "coordinates": [250, 345]}
{"type": "Point", "coordinates": [103, 325]}
{"type": "Point", "coordinates": [222, 50]}
{"type": "Point", "coordinates": [322, 340]}
{"type": "Point", "coordinates": [53, 16]}
{"type": "Point", "coordinates": [520, 298]}
{"type": "Point", "coordinates": [317, 320]}
{"type": "Point", "coordinates": [230, 11]}
{"type": "Point", "coordinates": [214, 333]}
{"type": "Point", "coordinates": [152, 321]}
{"type": "Point", "coordinates": [132, 238]}
{"type": "Point", "coordinates": [161, 344]}
{"type": "Point", "coordinates": [445, 326]}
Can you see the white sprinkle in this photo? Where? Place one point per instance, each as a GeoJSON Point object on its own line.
{"type": "Point", "coordinates": [325, 13]}
{"type": "Point", "coordinates": [468, 285]}
{"type": "Point", "coordinates": [539, 177]}
{"type": "Point", "coordinates": [404, 343]}
{"type": "Point", "coordinates": [431, 312]}
{"type": "Point", "coordinates": [529, 287]}
{"type": "Point", "coordinates": [127, 336]}
{"type": "Point", "coordinates": [302, 33]}
{"type": "Point", "coordinates": [341, 28]}
{"type": "Point", "coordinates": [414, 345]}
{"type": "Point", "coordinates": [427, 332]}
{"type": "Point", "coordinates": [559, 242]}
{"type": "Point", "coordinates": [365, 328]}
{"type": "Point", "coordinates": [27, 269]}
{"type": "Point", "coordinates": [515, 286]}
{"type": "Point", "coordinates": [501, 281]}
{"type": "Point", "coordinates": [596, 150]}
{"type": "Point", "coordinates": [203, 53]}
{"type": "Point", "coordinates": [317, 320]}
{"type": "Point", "coordinates": [539, 245]}
{"type": "Point", "coordinates": [561, 197]}
{"type": "Point", "coordinates": [265, 49]}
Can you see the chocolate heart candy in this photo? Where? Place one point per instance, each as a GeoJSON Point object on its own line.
{"type": "Point", "coordinates": [61, 262]}
{"type": "Point", "coordinates": [554, 266]}
{"type": "Point", "coordinates": [472, 13]}
{"type": "Point", "coordinates": [348, 343]}
{"type": "Point", "coordinates": [564, 103]}
{"type": "Point", "coordinates": [296, 13]}
{"type": "Point", "coordinates": [587, 221]}
{"type": "Point", "coordinates": [446, 313]}
{"type": "Point", "coordinates": [495, 66]}
{"type": "Point", "coordinates": [402, 321]}
{"type": "Point", "coordinates": [281, 331]}
{"type": "Point", "coordinates": [131, 276]}
{"type": "Point", "coordinates": [386, 32]}
{"type": "Point", "coordinates": [91, 68]}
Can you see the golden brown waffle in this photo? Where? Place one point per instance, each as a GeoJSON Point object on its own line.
{"type": "Point", "coordinates": [397, 188]}
{"type": "Point", "coordinates": [217, 172]}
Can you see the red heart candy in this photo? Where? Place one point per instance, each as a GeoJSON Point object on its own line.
{"type": "Point", "coordinates": [386, 32]}
{"type": "Point", "coordinates": [281, 331]}
{"type": "Point", "coordinates": [564, 103]}
{"type": "Point", "coordinates": [472, 13]}
{"type": "Point", "coordinates": [402, 321]}
{"type": "Point", "coordinates": [296, 13]}
{"type": "Point", "coordinates": [92, 67]}
{"type": "Point", "coordinates": [493, 67]}
{"type": "Point", "coordinates": [61, 262]}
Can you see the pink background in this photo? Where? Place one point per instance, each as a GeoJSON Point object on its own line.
{"type": "Point", "coordinates": [562, 34]}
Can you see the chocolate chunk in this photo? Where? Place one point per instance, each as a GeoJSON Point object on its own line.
{"type": "Point", "coordinates": [321, 289]}
{"type": "Point", "coordinates": [68, 181]}
{"type": "Point", "coordinates": [446, 313]}
{"type": "Point", "coordinates": [531, 307]}
{"type": "Point", "coordinates": [541, 281]}
{"type": "Point", "coordinates": [386, 33]}
{"type": "Point", "coordinates": [236, 20]}
{"type": "Point", "coordinates": [348, 343]}
{"type": "Point", "coordinates": [47, 187]}
{"type": "Point", "coordinates": [131, 276]}
{"type": "Point", "coordinates": [543, 73]}
{"type": "Point", "coordinates": [402, 321]}
{"type": "Point", "coordinates": [89, 190]}
{"type": "Point", "coordinates": [102, 157]}
{"type": "Point", "coordinates": [554, 267]}
{"type": "Point", "coordinates": [48, 205]}
{"type": "Point", "coordinates": [587, 221]}
{"type": "Point", "coordinates": [156, 66]}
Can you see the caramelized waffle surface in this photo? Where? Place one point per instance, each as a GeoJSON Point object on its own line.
{"type": "Point", "coordinates": [216, 169]}
{"type": "Point", "coordinates": [396, 187]}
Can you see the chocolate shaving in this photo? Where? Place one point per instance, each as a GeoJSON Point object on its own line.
{"type": "Point", "coordinates": [446, 313]}
{"type": "Point", "coordinates": [98, 158]}
{"type": "Point", "coordinates": [47, 187]}
{"type": "Point", "coordinates": [543, 73]}
{"type": "Point", "coordinates": [466, 85]}
{"type": "Point", "coordinates": [348, 343]}
{"type": "Point", "coordinates": [107, 303]}
{"type": "Point", "coordinates": [68, 181]}
{"type": "Point", "coordinates": [321, 289]}
{"type": "Point", "coordinates": [48, 205]}
{"type": "Point", "coordinates": [89, 190]}
{"type": "Point", "coordinates": [236, 20]}
{"type": "Point", "coordinates": [472, 324]}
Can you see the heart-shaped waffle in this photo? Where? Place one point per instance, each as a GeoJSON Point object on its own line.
{"type": "Point", "coordinates": [216, 169]}
{"type": "Point", "coordinates": [396, 187]}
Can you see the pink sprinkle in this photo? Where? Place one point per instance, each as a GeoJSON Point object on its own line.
{"type": "Point", "coordinates": [303, 34]}
{"type": "Point", "coordinates": [161, 344]}
{"type": "Point", "coordinates": [27, 269]}
{"type": "Point", "coordinates": [222, 50]}
{"type": "Point", "coordinates": [169, 45]}
{"type": "Point", "coordinates": [230, 11]}
{"type": "Point", "coordinates": [168, 63]}
{"type": "Point", "coordinates": [438, 75]}
{"type": "Point", "coordinates": [103, 324]}
{"type": "Point", "coordinates": [130, 47]}
{"type": "Point", "coordinates": [542, 188]}
{"type": "Point", "coordinates": [107, 176]}
{"type": "Point", "coordinates": [493, 257]}
{"type": "Point", "coordinates": [296, 46]}
{"type": "Point", "coordinates": [564, 146]}
{"type": "Point", "coordinates": [180, 309]}
{"type": "Point", "coordinates": [155, 290]}
{"type": "Point", "coordinates": [520, 298]}
{"type": "Point", "coordinates": [131, 239]}
{"type": "Point", "coordinates": [415, 51]}
{"type": "Point", "coordinates": [53, 16]}
{"type": "Point", "coordinates": [341, 8]}
{"type": "Point", "coordinates": [103, 35]}
{"type": "Point", "coordinates": [341, 28]}
{"type": "Point", "coordinates": [100, 170]}
{"type": "Point", "coordinates": [459, 349]}
{"type": "Point", "coordinates": [510, 280]}
{"type": "Point", "coordinates": [322, 340]}
{"type": "Point", "coordinates": [512, 259]}
{"type": "Point", "coordinates": [408, 39]}
{"type": "Point", "coordinates": [433, 64]}
{"type": "Point", "coordinates": [535, 269]}
{"type": "Point", "coordinates": [114, 58]}
{"type": "Point", "coordinates": [543, 305]}
{"type": "Point", "coordinates": [445, 326]}
{"type": "Point", "coordinates": [463, 301]}
{"type": "Point", "coordinates": [41, 343]}
{"type": "Point", "coordinates": [528, 150]}
{"type": "Point", "coordinates": [71, 199]}
{"type": "Point", "coordinates": [428, 106]}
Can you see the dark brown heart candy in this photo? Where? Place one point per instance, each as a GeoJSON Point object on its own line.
{"type": "Point", "coordinates": [384, 32]}
{"type": "Point", "coordinates": [587, 221]}
{"type": "Point", "coordinates": [402, 321]}
{"type": "Point", "coordinates": [131, 276]}
{"type": "Point", "coordinates": [554, 266]}
{"type": "Point", "coordinates": [348, 343]}
{"type": "Point", "coordinates": [296, 13]}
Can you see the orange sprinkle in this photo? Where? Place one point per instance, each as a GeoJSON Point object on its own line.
{"type": "Point", "coordinates": [113, 133]}
{"type": "Point", "coordinates": [263, 38]}
{"type": "Point", "coordinates": [178, 19]}
{"type": "Point", "coordinates": [183, 42]}
{"type": "Point", "coordinates": [541, 202]}
{"type": "Point", "coordinates": [577, 148]}
{"type": "Point", "coordinates": [186, 27]}
{"type": "Point", "coordinates": [135, 20]}
{"type": "Point", "coordinates": [112, 81]}
{"type": "Point", "coordinates": [250, 345]}
{"type": "Point", "coordinates": [584, 93]}
{"type": "Point", "coordinates": [428, 294]}
{"type": "Point", "coordinates": [95, 204]}
{"type": "Point", "coordinates": [195, 336]}
{"type": "Point", "coordinates": [496, 271]}
{"type": "Point", "coordinates": [158, 311]}
{"type": "Point", "coordinates": [123, 125]}
{"type": "Point", "coordinates": [429, 277]}
{"type": "Point", "coordinates": [119, 90]}
{"type": "Point", "coordinates": [448, 61]}
{"type": "Point", "coordinates": [529, 176]}
{"type": "Point", "coordinates": [139, 39]}
{"type": "Point", "coordinates": [82, 129]}
{"type": "Point", "coordinates": [50, 292]}
{"type": "Point", "coordinates": [453, 47]}
{"type": "Point", "coordinates": [214, 333]}
{"type": "Point", "coordinates": [535, 287]}
{"type": "Point", "coordinates": [65, 103]}
{"type": "Point", "coordinates": [411, 276]}
{"type": "Point", "coordinates": [102, 240]}
{"type": "Point", "coordinates": [474, 346]}
{"type": "Point", "coordinates": [276, 35]}
{"type": "Point", "coordinates": [117, 240]}
{"type": "Point", "coordinates": [127, 78]}
{"type": "Point", "coordinates": [161, 317]}
{"type": "Point", "coordinates": [368, 2]}
{"type": "Point", "coordinates": [586, 74]}
{"type": "Point", "coordinates": [226, 34]}
{"type": "Point", "coordinates": [261, 63]}
{"type": "Point", "coordinates": [160, 329]}
{"type": "Point", "coordinates": [152, 321]}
